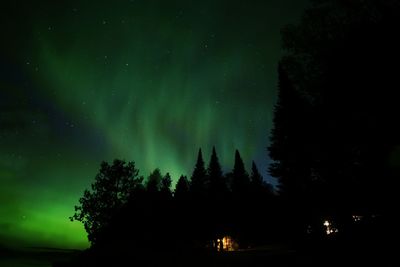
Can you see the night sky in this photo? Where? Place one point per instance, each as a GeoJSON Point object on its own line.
{"type": "Point", "coordinates": [148, 81]}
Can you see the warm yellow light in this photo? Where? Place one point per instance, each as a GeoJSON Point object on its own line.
{"type": "Point", "coordinates": [329, 228]}
{"type": "Point", "coordinates": [226, 243]}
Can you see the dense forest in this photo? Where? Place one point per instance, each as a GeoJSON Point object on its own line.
{"type": "Point", "coordinates": [200, 212]}
{"type": "Point", "coordinates": [335, 151]}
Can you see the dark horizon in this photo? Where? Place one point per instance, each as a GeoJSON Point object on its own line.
{"type": "Point", "coordinates": [86, 81]}
{"type": "Point", "coordinates": [213, 133]}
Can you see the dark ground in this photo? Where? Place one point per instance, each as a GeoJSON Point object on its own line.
{"type": "Point", "coordinates": [37, 257]}
{"type": "Point", "coordinates": [326, 255]}
{"type": "Point", "coordinates": [273, 256]}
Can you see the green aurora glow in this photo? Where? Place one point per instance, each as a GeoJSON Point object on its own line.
{"type": "Point", "coordinates": [149, 81]}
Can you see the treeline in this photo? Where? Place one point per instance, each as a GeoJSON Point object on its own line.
{"type": "Point", "coordinates": [335, 141]}
{"type": "Point", "coordinates": [125, 211]}
{"type": "Point", "coordinates": [335, 146]}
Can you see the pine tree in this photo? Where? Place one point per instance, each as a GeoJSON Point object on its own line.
{"type": "Point", "coordinates": [256, 178]}
{"type": "Point", "coordinates": [166, 183]}
{"type": "Point", "coordinates": [258, 185]}
{"type": "Point", "coordinates": [288, 146]}
{"type": "Point", "coordinates": [328, 144]}
{"type": "Point", "coordinates": [240, 178]}
{"type": "Point", "coordinates": [153, 182]}
{"type": "Point", "coordinates": [198, 183]}
{"type": "Point", "coordinates": [216, 179]}
{"type": "Point", "coordinates": [182, 188]}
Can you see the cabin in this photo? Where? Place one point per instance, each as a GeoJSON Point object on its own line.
{"type": "Point", "coordinates": [226, 243]}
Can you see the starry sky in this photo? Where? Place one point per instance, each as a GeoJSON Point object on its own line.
{"type": "Point", "coordinates": [148, 81]}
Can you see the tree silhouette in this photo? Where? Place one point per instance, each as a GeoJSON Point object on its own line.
{"type": "Point", "coordinates": [109, 193]}
{"type": "Point", "coordinates": [184, 222]}
{"type": "Point", "coordinates": [334, 131]}
{"type": "Point", "coordinates": [288, 138]}
{"type": "Point", "coordinates": [199, 183]}
{"type": "Point", "coordinates": [217, 183]}
{"type": "Point", "coordinates": [259, 187]}
{"type": "Point", "coordinates": [240, 199]}
{"type": "Point", "coordinates": [256, 179]}
{"type": "Point", "coordinates": [166, 183]}
{"type": "Point", "coordinates": [153, 183]}
{"type": "Point", "coordinates": [182, 188]}
{"type": "Point", "coordinates": [151, 221]}
{"type": "Point", "coordinates": [240, 183]}
{"type": "Point", "coordinates": [217, 193]}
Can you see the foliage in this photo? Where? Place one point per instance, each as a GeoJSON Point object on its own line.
{"type": "Point", "coordinates": [217, 184]}
{"type": "Point", "coordinates": [255, 178]}
{"type": "Point", "coordinates": [240, 183]}
{"type": "Point", "coordinates": [166, 183]}
{"type": "Point", "coordinates": [334, 126]}
{"type": "Point", "coordinates": [120, 212]}
{"type": "Point", "coordinates": [109, 193]}
{"type": "Point", "coordinates": [182, 187]}
{"type": "Point", "coordinates": [199, 183]}
{"type": "Point", "coordinates": [153, 182]}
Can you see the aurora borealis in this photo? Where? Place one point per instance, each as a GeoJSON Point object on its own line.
{"type": "Point", "coordinates": [148, 81]}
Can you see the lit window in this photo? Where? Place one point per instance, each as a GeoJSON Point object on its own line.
{"type": "Point", "coordinates": [329, 228]}
{"type": "Point", "coordinates": [357, 218]}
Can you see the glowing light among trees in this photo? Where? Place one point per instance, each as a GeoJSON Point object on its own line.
{"type": "Point", "coordinates": [329, 228]}
{"type": "Point", "coordinates": [227, 243]}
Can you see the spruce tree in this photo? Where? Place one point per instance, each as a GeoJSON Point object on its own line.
{"type": "Point", "coordinates": [240, 178]}
{"type": "Point", "coordinates": [216, 179]}
{"type": "Point", "coordinates": [288, 146]}
{"type": "Point", "coordinates": [182, 188]}
{"type": "Point", "coordinates": [256, 178]}
{"type": "Point", "coordinates": [166, 183]}
{"type": "Point", "coordinates": [199, 177]}
{"type": "Point", "coordinates": [153, 182]}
